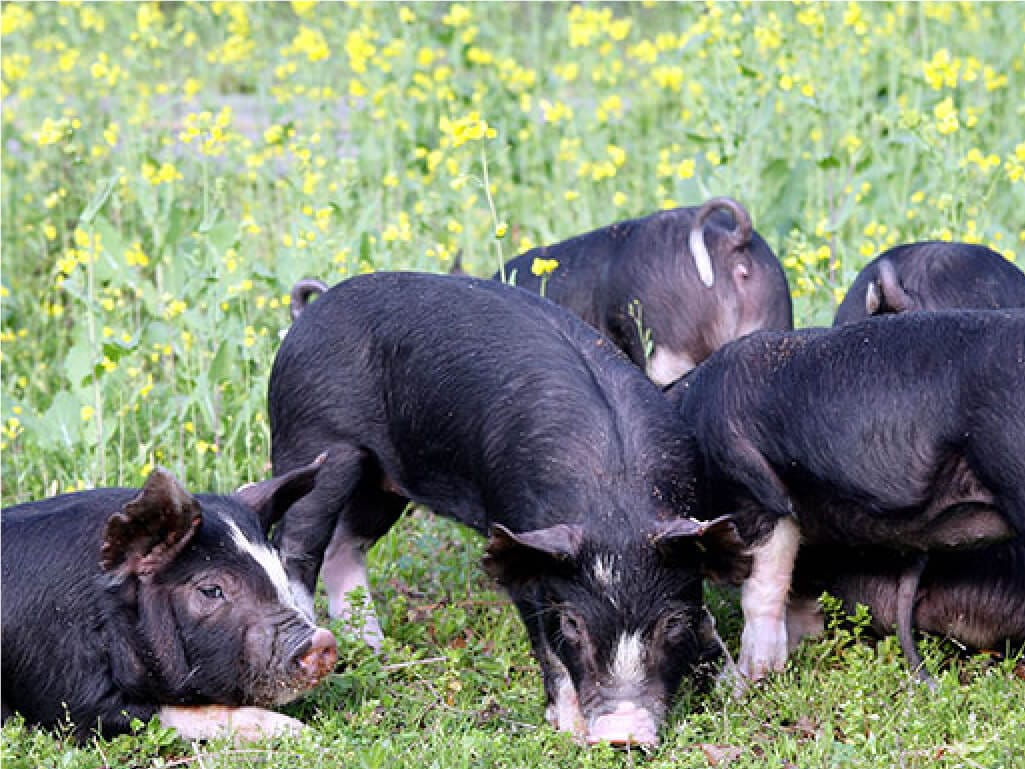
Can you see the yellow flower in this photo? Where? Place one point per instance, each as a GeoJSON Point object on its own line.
{"type": "Point", "coordinates": [555, 112]}
{"type": "Point", "coordinates": [457, 15]}
{"type": "Point", "coordinates": [541, 267]}
{"type": "Point", "coordinates": [110, 134]}
{"type": "Point", "coordinates": [946, 116]}
{"type": "Point", "coordinates": [941, 70]}
{"type": "Point", "coordinates": [52, 131]}
{"type": "Point", "coordinates": [312, 43]}
{"type": "Point", "coordinates": [87, 413]}
{"type": "Point", "coordinates": [14, 16]}
{"type": "Point", "coordinates": [464, 129]}
{"type": "Point", "coordinates": [134, 257]}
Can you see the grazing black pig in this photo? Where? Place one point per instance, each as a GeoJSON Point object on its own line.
{"type": "Point", "coordinates": [695, 278]}
{"type": "Point", "coordinates": [121, 604]}
{"type": "Point", "coordinates": [501, 410]}
{"type": "Point", "coordinates": [906, 432]}
{"type": "Point", "coordinates": [933, 275]}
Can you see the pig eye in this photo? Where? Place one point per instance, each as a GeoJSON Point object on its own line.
{"type": "Point", "coordinates": [572, 627]}
{"type": "Point", "coordinates": [213, 592]}
{"type": "Point", "coordinates": [676, 625]}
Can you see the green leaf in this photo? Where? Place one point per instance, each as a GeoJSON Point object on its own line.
{"type": "Point", "coordinates": [105, 187]}
{"type": "Point", "coordinates": [64, 423]}
{"type": "Point", "coordinates": [79, 363]}
{"type": "Point", "coordinates": [223, 364]}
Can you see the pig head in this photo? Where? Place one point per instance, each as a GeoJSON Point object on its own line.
{"type": "Point", "coordinates": [122, 603]}
{"type": "Point", "coordinates": [611, 665]}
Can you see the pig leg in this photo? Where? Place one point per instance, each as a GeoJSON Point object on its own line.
{"type": "Point", "coordinates": [205, 722]}
{"type": "Point", "coordinates": [907, 589]}
{"type": "Point", "coordinates": [306, 530]}
{"type": "Point", "coordinates": [763, 599]}
{"type": "Point", "coordinates": [345, 571]}
{"type": "Point", "coordinates": [804, 620]}
{"type": "Point", "coordinates": [368, 516]}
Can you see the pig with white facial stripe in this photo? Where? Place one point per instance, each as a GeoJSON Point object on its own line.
{"type": "Point", "coordinates": [121, 604]}
{"type": "Point", "coordinates": [499, 409]}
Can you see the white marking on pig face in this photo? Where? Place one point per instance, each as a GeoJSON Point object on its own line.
{"type": "Point", "coordinates": [628, 661]}
{"type": "Point", "coordinates": [763, 599]}
{"type": "Point", "coordinates": [564, 713]}
{"type": "Point", "coordinates": [665, 366]}
{"type": "Point", "coordinates": [606, 572]}
{"type": "Point", "coordinates": [269, 561]}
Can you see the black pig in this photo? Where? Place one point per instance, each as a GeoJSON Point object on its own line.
{"type": "Point", "coordinates": [906, 432]}
{"type": "Point", "coordinates": [501, 410]}
{"type": "Point", "coordinates": [695, 278]}
{"type": "Point", "coordinates": [121, 604]}
{"type": "Point", "coordinates": [976, 597]}
{"type": "Point", "coordinates": [933, 276]}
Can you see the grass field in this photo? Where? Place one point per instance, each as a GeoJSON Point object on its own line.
{"type": "Point", "coordinates": [170, 169]}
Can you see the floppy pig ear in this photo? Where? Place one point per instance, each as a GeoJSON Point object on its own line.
{"type": "Point", "coordinates": [271, 498]}
{"type": "Point", "coordinates": [152, 528]}
{"type": "Point", "coordinates": [517, 557]}
{"type": "Point", "coordinates": [724, 554]}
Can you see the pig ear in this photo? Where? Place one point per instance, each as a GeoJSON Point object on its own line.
{"type": "Point", "coordinates": [152, 528]}
{"type": "Point", "coordinates": [516, 557]}
{"type": "Point", "coordinates": [271, 498]}
{"type": "Point", "coordinates": [724, 554]}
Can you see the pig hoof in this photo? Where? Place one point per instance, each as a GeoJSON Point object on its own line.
{"type": "Point", "coordinates": [763, 649]}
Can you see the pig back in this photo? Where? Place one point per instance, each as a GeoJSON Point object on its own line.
{"type": "Point", "coordinates": [465, 389]}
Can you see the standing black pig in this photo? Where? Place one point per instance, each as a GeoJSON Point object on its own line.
{"type": "Point", "coordinates": [905, 432]}
{"type": "Point", "coordinates": [695, 278]}
{"type": "Point", "coordinates": [933, 276]}
{"type": "Point", "coordinates": [977, 597]}
{"type": "Point", "coordinates": [121, 604]}
{"type": "Point", "coordinates": [501, 410]}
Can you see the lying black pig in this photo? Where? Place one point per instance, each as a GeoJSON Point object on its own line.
{"type": "Point", "coordinates": [119, 604]}
{"type": "Point", "coordinates": [501, 410]}
{"type": "Point", "coordinates": [695, 278]}
{"type": "Point", "coordinates": [906, 432]}
{"type": "Point", "coordinates": [933, 276]}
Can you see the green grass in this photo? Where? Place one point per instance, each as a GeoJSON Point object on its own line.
{"type": "Point", "coordinates": [170, 170]}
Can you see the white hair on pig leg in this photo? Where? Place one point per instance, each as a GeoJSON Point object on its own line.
{"type": "Point", "coordinates": [763, 599]}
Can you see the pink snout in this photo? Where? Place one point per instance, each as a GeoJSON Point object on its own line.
{"type": "Point", "coordinates": [320, 658]}
{"type": "Point", "coordinates": [628, 725]}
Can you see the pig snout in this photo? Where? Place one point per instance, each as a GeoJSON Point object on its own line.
{"type": "Point", "coordinates": [320, 656]}
{"type": "Point", "coordinates": [627, 725]}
